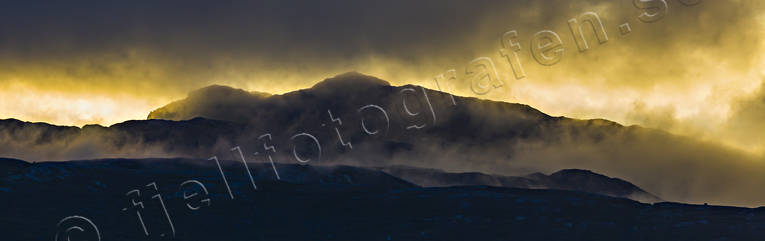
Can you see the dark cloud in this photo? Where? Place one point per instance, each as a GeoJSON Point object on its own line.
{"type": "Point", "coordinates": [158, 51]}
{"type": "Point", "coordinates": [301, 41]}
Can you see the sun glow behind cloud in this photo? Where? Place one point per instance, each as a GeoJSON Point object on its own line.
{"type": "Point", "coordinates": [65, 108]}
{"type": "Point", "coordinates": [688, 73]}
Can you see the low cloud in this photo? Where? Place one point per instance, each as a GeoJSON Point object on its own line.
{"type": "Point", "coordinates": [473, 135]}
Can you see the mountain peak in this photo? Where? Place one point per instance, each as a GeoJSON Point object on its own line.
{"type": "Point", "coordinates": [352, 80]}
{"type": "Point", "coordinates": [576, 172]}
{"type": "Point", "coordinates": [198, 102]}
{"type": "Point", "coordinates": [578, 179]}
{"type": "Point", "coordinates": [590, 176]}
{"type": "Point", "coordinates": [222, 90]}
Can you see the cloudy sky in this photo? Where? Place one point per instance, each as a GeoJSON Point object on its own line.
{"type": "Point", "coordinates": [696, 68]}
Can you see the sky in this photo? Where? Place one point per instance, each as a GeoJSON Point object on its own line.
{"type": "Point", "coordinates": [690, 67]}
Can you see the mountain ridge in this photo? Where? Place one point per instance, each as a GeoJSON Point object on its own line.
{"type": "Point", "coordinates": [345, 203]}
{"type": "Point", "coordinates": [566, 179]}
{"type": "Point", "coordinates": [298, 174]}
{"type": "Point", "coordinates": [377, 124]}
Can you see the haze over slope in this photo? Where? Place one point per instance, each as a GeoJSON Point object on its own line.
{"type": "Point", "coordinates": [404, 125]}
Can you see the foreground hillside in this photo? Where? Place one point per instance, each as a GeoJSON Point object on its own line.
{"type": "Point", "coordinates": [327, 203]}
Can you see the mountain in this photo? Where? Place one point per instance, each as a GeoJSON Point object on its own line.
{"type": "Point", "coordinates": [425, 128]}
{"type": "Point", "coordinates": [588, 181]}
{"type": "Point", "coordinates": [569, 179]}
{"type": "Point", "coordinates": [10, 166]}
{"type": "Point", "coordinates": [358, 120]}
{"type": "Point", "coordinates": [198, 104]}
{"type": "Point", "coordinates": [387, 177]}
{"type": "Point", "coordinates": [189, 199]}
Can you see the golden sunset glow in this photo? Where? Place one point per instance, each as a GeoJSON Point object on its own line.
{"type": "Point", "coordinates": [665, 95]}
{"type": "Point", "coordinates": [690, 73]}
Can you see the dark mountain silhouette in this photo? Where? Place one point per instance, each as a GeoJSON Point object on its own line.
{"type": "Point", "coordinates": [569, 179]}
{"type": "Point", "coordinates": [375, 124]}
{"type": "Point", "coordinates": [576, 180]}
{"type": "Point", "coordinates": [330, 202]}
{"type": "Point", "coordinates": [10, 166]}
{"type": "Point", "coordinates": [588, 181]}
